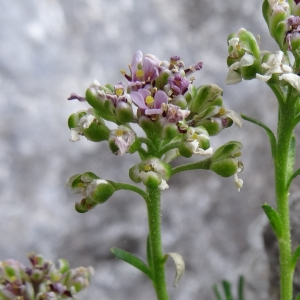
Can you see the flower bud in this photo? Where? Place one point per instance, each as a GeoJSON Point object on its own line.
{"type": "Point", "coordinates": [85, 205]}
{"type": "Point", "coordinates": [100, 190]}
{"type": "Point", "coordinates": [180, 101]}
{"type": "Point", "coordinates": [225, 167]}
{"type": "Point", "coordinates": [124, 113]}
{"type": "Point", "coordinates": [231, 149]}
{"type": "Point", "coordinates": [152, 172]}
{"type": "Point", "coordinates": [205, 95]}
{"type": "Point", "coordinates": [96, 97]}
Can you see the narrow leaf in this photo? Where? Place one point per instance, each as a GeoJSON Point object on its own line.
{"type": "Point", "coordinates": [269, 132]}
{"type": "Point", "coordinates": [273, 219]}
{"type": "Point", "coordinates": [295, 257]}
{"type": "Point", "coordinates": [227, 290]}
{"type": "Point", "coordinates": [241, 288]}
{"type": "Point", "coordinates": [217, 293]}
{"type": "Point", "coordinates": [132, 260]}
{"type": "Point", "coordinates": [179, 264]}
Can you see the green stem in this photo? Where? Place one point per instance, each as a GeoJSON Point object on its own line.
{"type": "Point", "coordinates": [157, 256]}
{"type": "Point", "coordinates": [203, 164]}
{"type": "Point", "coordinates": [285, 131]}
{"type": "Point", "coordinates": [168, 147]}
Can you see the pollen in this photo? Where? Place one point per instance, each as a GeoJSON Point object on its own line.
{"type": "Point", "coordinates": [119, 132]}
{"type": "Point", "coordinates": [222, 111]}
{"type": "Point", "coordinates": [139, 73]}
{"type": "Point", "coordinates": [149, 100]}
{"type": "Point", "coordinates": [194, 136]}
{"type": "Point", "coordinates": [119, 91]}
{"type": "Point", "coordinates": [147, 167]}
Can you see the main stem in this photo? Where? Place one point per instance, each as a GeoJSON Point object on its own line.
{"type": "Point", "coordinates": [157, 256]}
{"type": "Point", "coordinates": [282, 201]}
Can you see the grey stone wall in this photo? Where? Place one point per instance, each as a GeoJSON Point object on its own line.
{"type": "Point", "coordinates": [50, 48]}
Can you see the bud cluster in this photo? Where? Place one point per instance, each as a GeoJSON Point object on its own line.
{"type": "Point", "coordinates": [42, 280]}
{"type": "Point", "coordinates": [247, 61]}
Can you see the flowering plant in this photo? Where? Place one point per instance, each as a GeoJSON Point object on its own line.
{"type": "Point", "coordinates": [177, 119]}
{"type": "Point", "coordinates": [280, 71]}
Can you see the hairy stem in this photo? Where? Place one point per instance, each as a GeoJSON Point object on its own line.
{"type": "Point", "coordinates": [285, 131]}
{"type": "Point", "coordinates": [157, 256]}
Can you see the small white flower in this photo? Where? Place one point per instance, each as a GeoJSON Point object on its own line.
{"type": "Point", "coordinates": [75, 134]}
{"type": "Point", "coordinates": [278, 4]}
{"type": "Point", "coordinates": [163, 185]}
{"type": "Point", "coordinates": [238, 182]}
{"type": "Point", "coordinates": [86, 121]}
{"type": "Point", "coordinates": [234, 117]}
{"type": "Point", "coordinates": [233, 76]}
{"type": "Point", "coordinates": [292, 79]}
{"type": "Point", "coordinates": [274, 65]}
{"type": "Point", "coordinates": [123, 137]}
{"type": "Point", "coordinates": [234, 43]}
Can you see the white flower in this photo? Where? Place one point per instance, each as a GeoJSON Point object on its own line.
{"type": "Point", "coordinates": [234, 43]}
{"type": "Point", "coordinates": [86, 121]}
{"type": "Point", "coordinates": [75, 134]}
{"type": "Point", "coordinates": [274, 65]}
{"type": "Point", "coordinates": [123, 137]}
{"type": "Point", "coordinates": [238, 182]}
{"type": "Point", "coordinates": [278, 4]}
{"type": "Point", "coordinates": [234, 117]}
{"type": "Point", "coordinates": [292, 79]}
{"type": "Point", "coordinates": [163, 185]}
{"type": "Point", "coordinates": [234, 76]}
{"type": "Point", "coordinates": [195, 137]}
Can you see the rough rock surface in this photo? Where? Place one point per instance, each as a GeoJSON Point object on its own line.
{"type": "Point", "coordinates": [51, 48]}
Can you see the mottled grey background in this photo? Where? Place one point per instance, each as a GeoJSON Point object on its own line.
{"type": "Point", "coordinates": [50, 48]}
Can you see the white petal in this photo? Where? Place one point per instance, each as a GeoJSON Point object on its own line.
{"type": "Point", "coordinates": [234, 117]}
{"type": "Point", "coordinates": [238, 182]}
{"type": "Point", "coordinates": [292, 79]}
{"type": "Point", "coordinates": [163, 185]}
{"type": "Point", "coordinates": [233, 77]}
{"type": "Point", "coordinates": [86, 121]}
{"type": "Point", "coordinates": [74, 135]}
{"type": "Point", "coordinates": [247, 60]}
{"type": "Point", "coordinates": [264, 78]}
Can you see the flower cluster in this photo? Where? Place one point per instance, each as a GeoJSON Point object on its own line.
{"type": "Point", "coordinates": [42, 280]}
{"type": "Point", "coordinates": [247, 61]}
{"type": "Point", "coordinates": [159, 96]}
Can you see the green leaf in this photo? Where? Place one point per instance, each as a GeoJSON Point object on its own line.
{"type": "Point", "coordinates": [217, 293]}
{"type": "Point", "coordinates": [132, 260]}
{"type": "Point", "coordinates": [268, 131]}
{"type": "Point", "coordinates": [227, 289]}
{"type": "Point", "coordinates": [273, 219]}
{"type": "Point", "coordinates": [295, 258]}
{"type": "Point", "coordinates": [241, 288]}
{"type": "Point", "coordinates": [298, 297]}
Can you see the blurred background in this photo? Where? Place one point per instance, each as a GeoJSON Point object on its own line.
{"type": "Point", "coordinates": [50, 48]}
